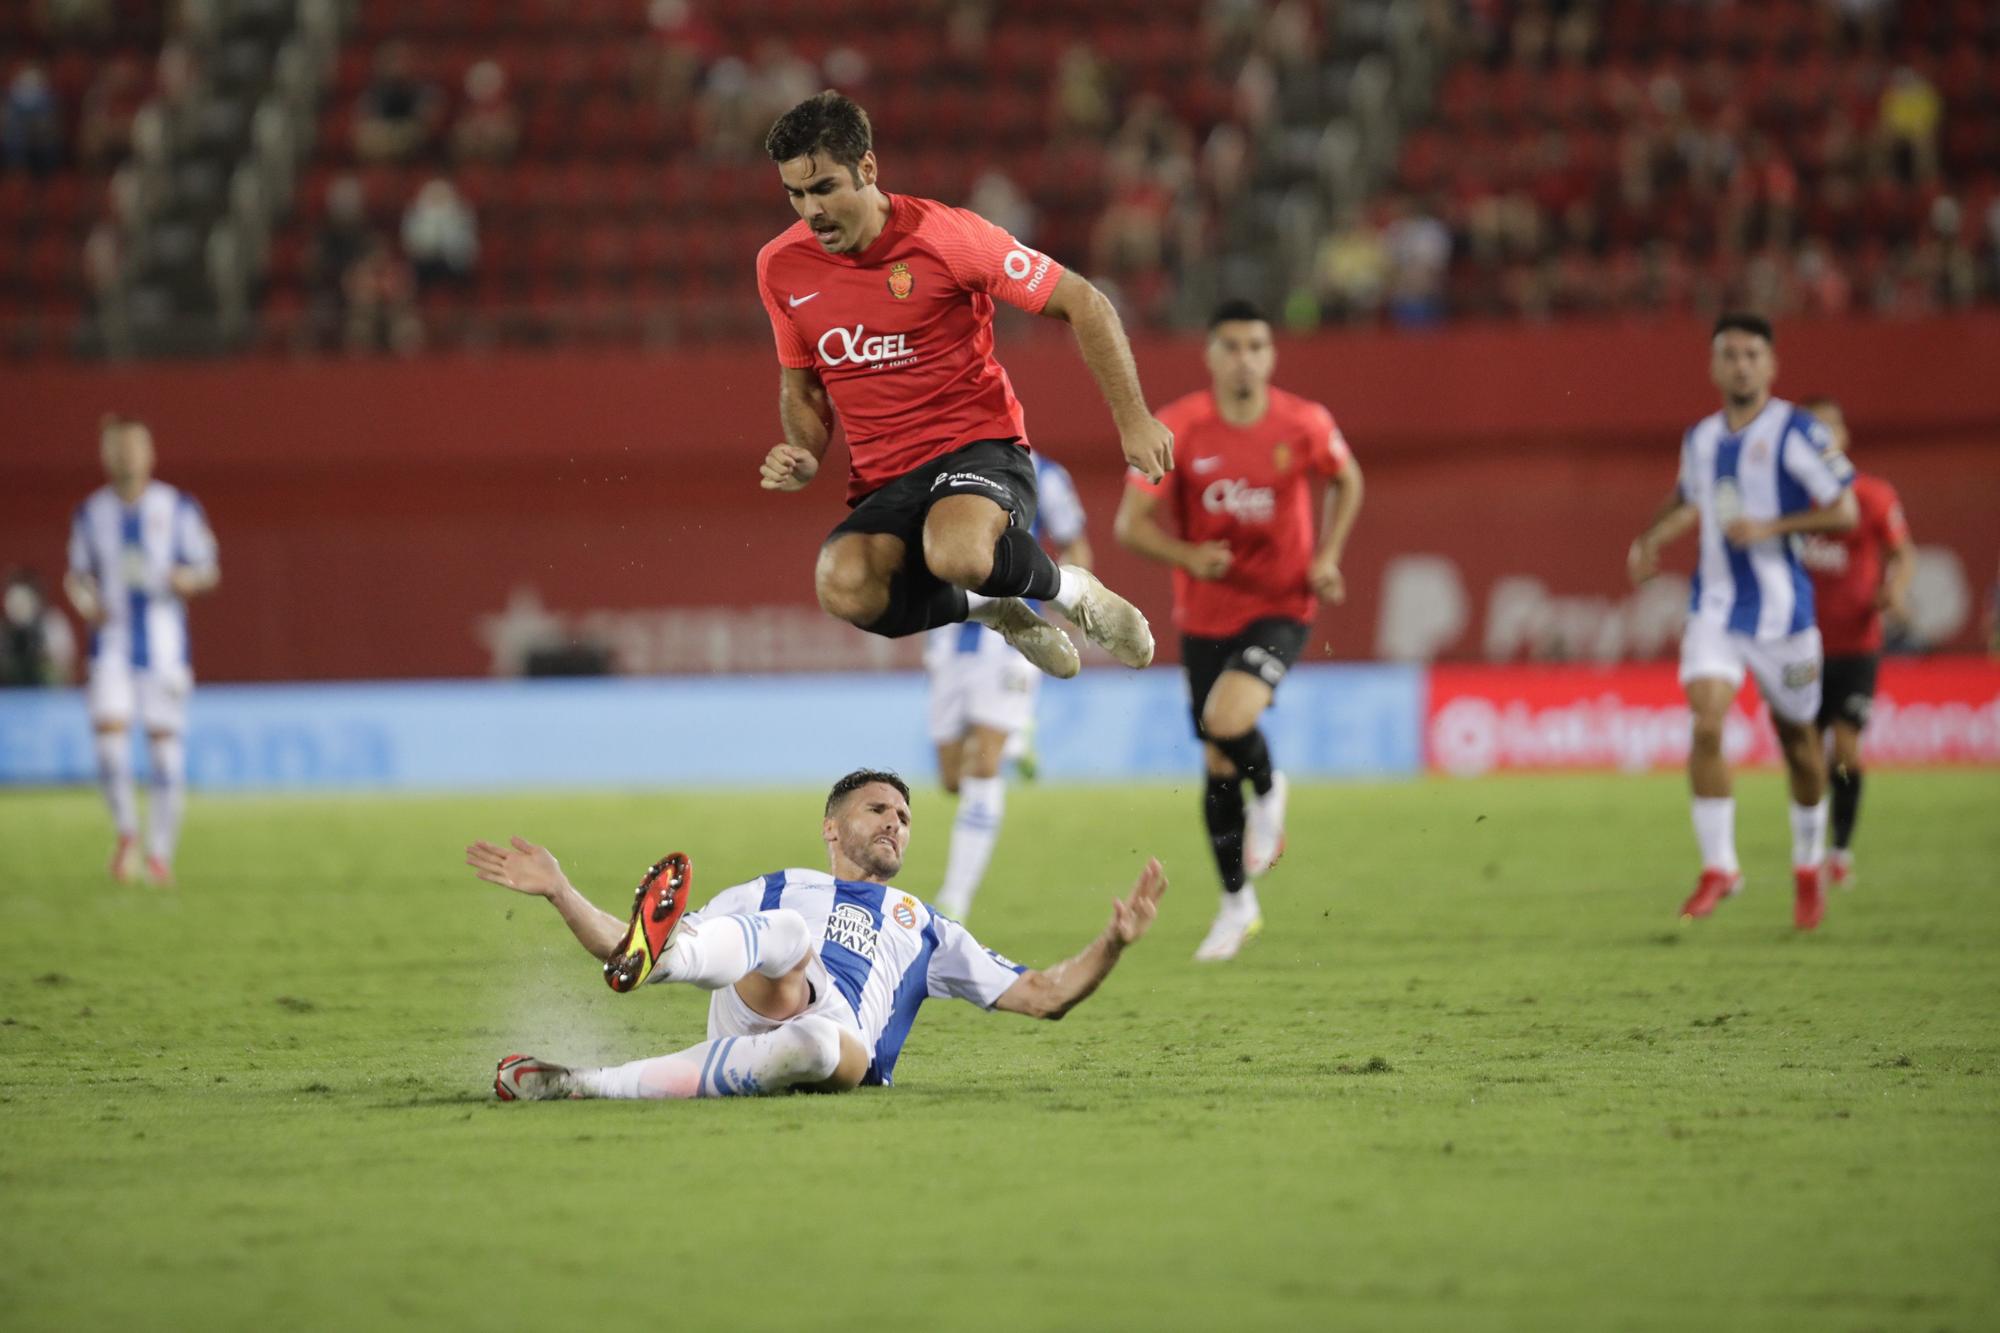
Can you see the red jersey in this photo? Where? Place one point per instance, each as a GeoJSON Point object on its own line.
{"type": "Point", "coordinates": [1846, 570]}
{"type": "Point", "coordinates": [902, 333]}
{"type": "Point", "coordinates": [1248, 486]}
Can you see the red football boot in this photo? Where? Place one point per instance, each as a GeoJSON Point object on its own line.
{"type": "Point", "coordinates": [1714, 886]}
{"type": "Point", "coordinates": [125, 859]}
{"type": "Point", "coordinates": [1840, 868]}
{"type": "Point", "coordinates": [657, 909]}
{"type": "Point", "coordinates": [1808, 899]}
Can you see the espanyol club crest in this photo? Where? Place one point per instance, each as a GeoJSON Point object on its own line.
{"type": "Point", "coordinates": [901, 281]}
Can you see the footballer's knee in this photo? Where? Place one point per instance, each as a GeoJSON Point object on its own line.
{"type": "Point", "coordinates": [834, 1058]}
{"type": "Point", "coordinates": [1219, 764]}
{"type": "Point", "coordinates": [848, 585]}
{"type": "Point", "coordinates": [959, 533]}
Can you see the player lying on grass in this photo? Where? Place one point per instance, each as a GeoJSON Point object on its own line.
{"type": "Point", "coordinates": [814, 978]}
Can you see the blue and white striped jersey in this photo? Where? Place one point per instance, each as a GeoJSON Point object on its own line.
{"type": "Point", "coordinates": [1059, 521]}
{"type": "Point", "coordinates": [1783, 462]}
{"type": "Point", "coordinates": [130, 550]}
{"type": "Point", "coordinates": [886, 951]}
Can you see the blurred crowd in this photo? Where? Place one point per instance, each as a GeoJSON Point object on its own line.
{"type": "Point", "coordinates": [1580, 159]}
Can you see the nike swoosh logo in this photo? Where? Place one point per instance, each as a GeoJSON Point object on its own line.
{"type": "Point", "coordinates": [798, 301]}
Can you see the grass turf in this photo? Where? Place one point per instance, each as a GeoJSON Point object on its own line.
{"type": "Point", "coordinates": [1474, 1076]}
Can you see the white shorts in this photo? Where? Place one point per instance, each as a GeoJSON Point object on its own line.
{"type": "Point", "coordinates": [728, 1016]}
{"type": "Point", "coordinates": [159, 695]}
{"type": "Point", "coordinates": [994, 690]}
{"type": "Point", "coordinates": [1787, 670]}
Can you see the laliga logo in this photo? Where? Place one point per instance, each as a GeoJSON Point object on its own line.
{"type": "Point", "coordinates": [838, 346]}
{"type": "Point", "coordinates": [1240, 500]}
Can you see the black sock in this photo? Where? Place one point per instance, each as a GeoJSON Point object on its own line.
{"type": "Point", "coordinates": [1251, 756]}
{"type": "Point", "coordinates": [1021, 568]}
{"type": "Point", "coordinates": [1846, 784]}
{"type": "Point", "coordinates": [935, 604]}
{"type": "Point", "coordinates": [1222, 806]}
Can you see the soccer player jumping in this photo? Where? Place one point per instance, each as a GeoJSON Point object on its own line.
{"type": "Point", "coordinates": [1247, 578]}
{"type": "Point", "coordinates": [1755, 476]}
{"type": "Point", "coordinates": [882, 308]}
{"type": "Point", "coordinates": [814, 979]}
{"type": "Point", "coordinates": [1857, 575]}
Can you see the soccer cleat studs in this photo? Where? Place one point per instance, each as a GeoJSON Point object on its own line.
{"type": "Point", "coordinates": [657, 907]}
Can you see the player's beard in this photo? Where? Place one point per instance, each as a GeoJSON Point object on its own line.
{"type": "Point", "coordinates": [877, 858]}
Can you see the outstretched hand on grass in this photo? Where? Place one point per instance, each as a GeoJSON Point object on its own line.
{"type": "Point", "coordinates": [1131, 915]}
{"type": "Point", "coordinates": [522, 867]}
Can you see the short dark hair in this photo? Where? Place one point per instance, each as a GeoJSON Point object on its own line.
{"type": "Point", "coordinates": [862, 777]}
{"type": "Point", "coordinates": [1744, 321]}
{"type": "Point", "coordinates": [1234, 309]}
{"type": "Point", "coordinates": [828, 123]}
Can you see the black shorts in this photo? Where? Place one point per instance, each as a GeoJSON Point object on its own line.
{"type": "Point", "coordinates": [1266, 649]}
{"type": "Point", "coordinates": [1847, 690]}
{"type": "Point", "coordinates": [1000, 470]}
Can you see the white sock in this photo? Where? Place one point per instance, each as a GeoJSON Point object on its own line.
{"type": "Point", "coordinates": [1715, 831]}
{"type": "Point", "coordinates": [169, 788]}
{"type": "Point", "coordinates": [804, 1050]}
{"type": "Point", "coordinates": [114, 776]}
{"type": "Point", "coordinates": [1808, 834]}
{"type": "Point", "coordinates": [981, 803]}
{"type": "Point", "coordinates": [1071, 591]}
{"type": "Point", "coordinates": [1242, 904]}
{"type": "Point", "coordinates": [722, 950]}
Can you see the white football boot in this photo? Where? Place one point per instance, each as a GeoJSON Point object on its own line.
{"type": "Point", "coordinates": [523, 1078]}
{"type": "Point", "coordinates": [1109, 621]}
{"type": "Point", "coordinates": [1236, 924]}
{"type": "Point", "coordinates": [1046, 647]}
{"type": "Point", "coordinates": [1264, 828]}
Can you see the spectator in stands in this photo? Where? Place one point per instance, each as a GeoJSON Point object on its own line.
{"type": "Point", "coordinates": [1000, 201]}
{"type": "Point", "coordinates": [1080, 94]}
{"type": "Point", "coordinates": [1908, 118]}
{"type": "Point", "coordinates": [345, 235]}
{"type": "Point", "coordinates": [72, 20]}
{"type": "Point", "coordinates": [30, 124]}
{"type": "Point", "coordinates": [1350, 271]}
{"type": "Point", "coordinates": [104, 131]}
{"type": "Point", "coordinates": [380, 299]}
{"type": "Point", "coordinates": [683, 46]}
{"type": "Point", "coordinates": [397, 112]}
{"type": "Point", "coordinates": [440, 235]}
{"type": "Point", "coordinates": [1417, 245]}
{"type": "Point", "coordinates": [488, 127]}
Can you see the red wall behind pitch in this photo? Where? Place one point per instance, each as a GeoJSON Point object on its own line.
{"type": "Point", "coordinates": [371, 512]}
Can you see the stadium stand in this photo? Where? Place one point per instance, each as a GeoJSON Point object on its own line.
{"type": "Point", "coordinates": [305, 176]}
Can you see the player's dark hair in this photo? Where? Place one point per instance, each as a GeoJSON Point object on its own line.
{"type": "Point", "coordinates": [859, 778]}
{"type": "Point", "coordinates": [828, 124]}
{"type": "Point", "coordinates": [1743, 321]}
{"type": "Point", "coordinates": [1234, 309]}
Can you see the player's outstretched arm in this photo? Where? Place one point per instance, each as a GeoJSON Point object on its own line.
{"type": "Point", "coordinates": [527, 868]}
{"type": "Point", "coordinates": [1139, 531]}
{"type": "Point", "coordinates": [1053, 992]}
{"type": "Point", "coordinates": [1839, 516]}
{"type": "Point", "coordinates": [1670, 520]}
{"type": "Point", "coordinates": [1147, 443]}
{"type": "Point", "coordinates": [806, 415]}
{"type": "Point", "coordinates": [1336, 520]}
{"type": "Point", "coordinates": [82, 590]}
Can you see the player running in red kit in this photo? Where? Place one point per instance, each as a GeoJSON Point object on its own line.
{"type": "Point", "coordinates": [882, 307]}
{"type": "Point", "coordinates": [1857, 576]}
{"type": "Point", "coordinates": [1248, 576]}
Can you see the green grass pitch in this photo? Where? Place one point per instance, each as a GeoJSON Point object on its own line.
{"type": "Point", "coordinates": [1475, 1075]}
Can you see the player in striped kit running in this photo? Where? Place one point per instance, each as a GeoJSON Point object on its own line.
{"type": "Point", "coordinates": [982, 702]}
{"type": "Point", "coordinates": [138, 550]}
{"type": "Point", "coordinates": [814, 978]}
{"type": "Point", "coordinates": [1755, 477]}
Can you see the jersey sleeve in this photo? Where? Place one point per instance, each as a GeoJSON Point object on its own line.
{"type": "Point", "coordinates": [1330, 455]}
{"type": "Point", "coordinates": [1894, 527]}
{"type": "Point", "coordinates": [984, 258]}
{"type": "Point", "coordinates": [1684, 475]}
{"type": "Point", "coordinates": [961, 968]}
{"type": "Point", "coordinates": [194, 540]}
{"type": "Point", "coordinates": [79, 546]}
{"type": "Point", "coordinates": [1059, 510]}
{"type": "Point", "coordinates": [792, 350]}
{"type": "Point", "coordinates": [1808, 457]}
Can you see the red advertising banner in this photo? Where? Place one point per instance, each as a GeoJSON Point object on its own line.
{"type": "Point", "coordinates": [1633, 718]}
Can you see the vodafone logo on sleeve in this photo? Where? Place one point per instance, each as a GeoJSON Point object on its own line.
{"type": "Point", "coordinates": [1027, 266]}
{"type": "Point", "coordinates": [854, 347]}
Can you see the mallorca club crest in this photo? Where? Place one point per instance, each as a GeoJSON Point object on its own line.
{"type": "Point", "coordinates": [901, 281]}
{"type": "Point", "coordinates": [1281, 457]}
